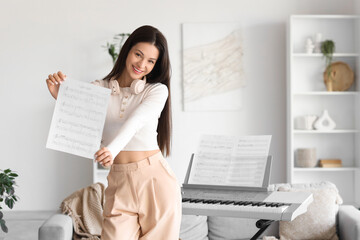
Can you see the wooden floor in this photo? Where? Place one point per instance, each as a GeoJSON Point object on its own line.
{"type": "Point", "coordinates": [24, 225]}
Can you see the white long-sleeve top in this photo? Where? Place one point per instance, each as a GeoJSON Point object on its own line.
{"type": "Point", "coordinates": [132, 119]}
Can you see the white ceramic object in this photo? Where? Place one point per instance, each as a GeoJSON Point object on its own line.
{"type": "Point", "coordinates": [324, 122]}
{"type": "Point", "coordinates": [305, 122]}
{"type": "Point", "coordinates": [318, 39]}
{"type": "Point", "coordinates": [309, 46]}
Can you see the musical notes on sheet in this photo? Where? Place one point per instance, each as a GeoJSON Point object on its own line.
{"type": "Point", "coordinates": [230, 160]}
{"type": "Point", "coordinates": [78, 118]}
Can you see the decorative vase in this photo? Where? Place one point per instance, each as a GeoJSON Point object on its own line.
{"type": "Point", "coordinates": [329, 77]}
{"type": "Point", "coordinates": [305, 157]}
{"type": "Point", "coordinates": [318, 38]}
{"type": "Point", "coordinates": [324, 122]}
{"type": "Point", "coordinates": [309, 47]}
{"type": "Point", "coordinates": [305, 122]}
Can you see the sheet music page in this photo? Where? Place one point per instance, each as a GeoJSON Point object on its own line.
{"type": "Point", "coordinates": [230, 160]}
{"type": "Point", "coordinates": [78, 118]}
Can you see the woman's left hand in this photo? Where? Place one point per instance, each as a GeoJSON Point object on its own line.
{"type": "Point", "coordinates": [104, 157]}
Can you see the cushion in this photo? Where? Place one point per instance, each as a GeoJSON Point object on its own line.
{"type": "Point", "coordinates": [319, 222]}
{"type": "Point", "coordinates": [194, 227]}
{"type": "Point", "coordinates": [221, 228]}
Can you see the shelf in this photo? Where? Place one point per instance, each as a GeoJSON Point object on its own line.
{"type": "Point", "coordinates": [318, 169]}
{"type": "Point", "coordinates": [324, 16]}
{"type": "Point", "coordinates": [321, 55]}
{"type": "Point", "coordinates": [324, 93]}
{"type": "Point", "coordinates": [329, 131]}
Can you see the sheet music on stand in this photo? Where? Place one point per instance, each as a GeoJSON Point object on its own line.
{"type": "Point", "coordinates": [230, 160]}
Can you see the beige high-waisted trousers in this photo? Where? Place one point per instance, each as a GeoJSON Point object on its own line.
{"type": "Point", "coordinates": [142, 201]}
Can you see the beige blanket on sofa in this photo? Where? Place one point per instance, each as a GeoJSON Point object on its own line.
{"type": "Point", "coordinates": [85, 207]}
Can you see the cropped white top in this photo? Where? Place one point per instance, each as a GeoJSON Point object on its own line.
{"type": "Point", "coordinates": [132, 119]}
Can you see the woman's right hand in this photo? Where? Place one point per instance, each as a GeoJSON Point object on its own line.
{"type": "Point", "coordinates": [53, 83]}
{"type": "Point", "coordinates": [104, 157]}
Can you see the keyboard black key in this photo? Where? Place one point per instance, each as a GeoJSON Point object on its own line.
{"type": "Point", "coordinates": [247, 203]}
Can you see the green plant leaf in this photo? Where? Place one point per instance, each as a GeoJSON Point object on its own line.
{"type": "Point", "coordinates": [3, 225]}
{"type": "Point", "coordinates": [11, 203]}
{"type": "Point", "coordinates": [7, 171]}
{"type": "Point", "coordinates": [1, 215]}
{"type": "Point", "coordinates": [13, 175]}
{"type": "Point", "coordinates": [118, 40]}
{"type": "Point", "coordinates": [327, 49]}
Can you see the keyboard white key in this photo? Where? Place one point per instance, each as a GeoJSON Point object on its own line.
{"type": "Point", "coordinates": [233, 209]}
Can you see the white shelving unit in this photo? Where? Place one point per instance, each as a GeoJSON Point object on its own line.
{"type": "Point", "coordinates": [307, 94]}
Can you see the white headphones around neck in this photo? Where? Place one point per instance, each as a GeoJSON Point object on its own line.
{"type": "Point", "coordinates": [138, 85]}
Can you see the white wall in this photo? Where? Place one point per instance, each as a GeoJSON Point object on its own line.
{"type": "Point", "coordinates": [40, 37]}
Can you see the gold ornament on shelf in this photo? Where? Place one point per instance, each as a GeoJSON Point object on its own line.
{"type": "Point", "coordinates": [338, 76]}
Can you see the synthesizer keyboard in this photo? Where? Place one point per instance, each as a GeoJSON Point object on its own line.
{"type": "Point", "coordinates": [284, 206]}
{"type": "Point", "coordinates": [243, 201]}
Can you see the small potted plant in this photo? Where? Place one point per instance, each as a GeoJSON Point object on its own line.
{"type": "Point", "coordinates": [114, 48]}
{"type": "Point", "coordinates": [7, 193]}
{"type": "Point", "coordinates": [328, 49]}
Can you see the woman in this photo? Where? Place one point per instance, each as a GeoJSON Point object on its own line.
{"type": "Point", "coordinates": [143, 199]}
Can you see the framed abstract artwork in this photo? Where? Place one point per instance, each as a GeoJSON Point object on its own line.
{"type": "Point", "coordinates": [213, 75]}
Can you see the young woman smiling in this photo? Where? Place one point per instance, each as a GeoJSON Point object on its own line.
{"type": "Point", "coordinates": [143, 199]}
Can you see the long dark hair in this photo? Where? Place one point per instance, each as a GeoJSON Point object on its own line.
{"type": "Point", "coordinates": [160, 74]}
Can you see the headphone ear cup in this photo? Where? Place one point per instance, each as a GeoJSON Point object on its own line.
{"type": "Point", "coordinates": [137, 86]}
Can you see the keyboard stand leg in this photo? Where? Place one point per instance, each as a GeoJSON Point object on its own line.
{"type": "Point", "coordinates": [263, 225]}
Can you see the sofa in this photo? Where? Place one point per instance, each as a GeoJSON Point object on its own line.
{"type": "Point", "coordinates": [326, 218]}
